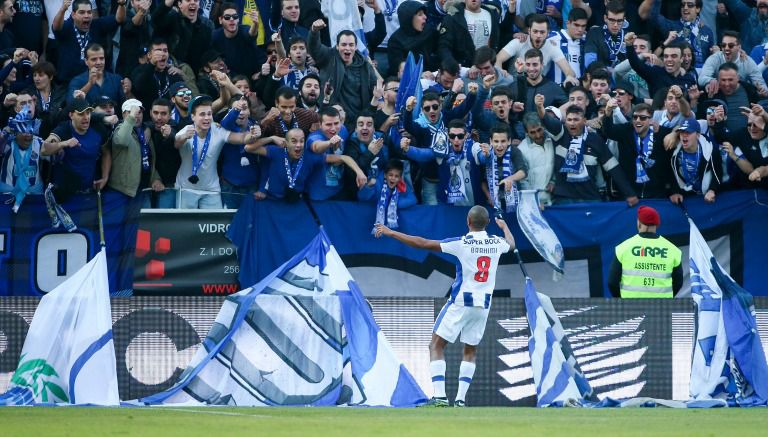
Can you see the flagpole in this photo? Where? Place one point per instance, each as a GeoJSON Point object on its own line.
{"type": "Point", "coordinates": [500, 215]}
{"type": "Point", "coordinates": [101, 219]}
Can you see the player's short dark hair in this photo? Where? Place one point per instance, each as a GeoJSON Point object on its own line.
{"type": "Point", "coordinates": [478, 217]}
{"type": "Point", "coordinates": [732, 34]}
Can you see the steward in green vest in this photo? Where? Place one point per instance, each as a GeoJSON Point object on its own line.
{"type": "Point", "coordinates": [646, 265]}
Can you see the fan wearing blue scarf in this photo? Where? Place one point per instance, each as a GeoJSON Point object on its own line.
{"type": "Point", "coordinates": [503, 170]}
{"type": "Point", "coordinates": [696, 166]}
{"type": "Point", "coordinates": [579, 153]}
{"type": "Point", "coordinates": [391, 193]}
{"type": "Point", "coordinates": [20, 158]}
{"type": "Point", "coordinates": [429, 130]}
{"type": "Point", "coordinates": [458, 171]}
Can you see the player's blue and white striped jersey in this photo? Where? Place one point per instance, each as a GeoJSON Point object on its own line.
{"type": "Point", "coordinates": [478, 258]}
{"type": "Point", "coordinates": [573, 50]}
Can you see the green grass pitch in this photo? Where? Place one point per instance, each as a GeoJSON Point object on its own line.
{"type": "Point", "coordinates": [443, 422]}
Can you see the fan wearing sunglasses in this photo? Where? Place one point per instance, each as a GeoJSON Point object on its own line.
{"type": "Point", "coordinates": [642, 156]}
{"type": "Point", "coordinates": [731, 52]}
{"type": "Point", "coordinates": [429, 131]}
{"type": "Point", "coordinates": [458, 172]}
{"type": "Point", "coordinates": [754, 20]}
{"type": "Point", "coordinates": [690, 27]}
{"type": "Point", "coordinates": [237, 47]}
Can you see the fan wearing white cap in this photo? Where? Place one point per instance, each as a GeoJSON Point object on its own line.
{"type": "Point", "coordinates": [133, 154]}
{"type": "Point", "coordinates": [696, 166]}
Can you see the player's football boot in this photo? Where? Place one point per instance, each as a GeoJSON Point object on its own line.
{"type": "Point", "coordinates": [437, 402]}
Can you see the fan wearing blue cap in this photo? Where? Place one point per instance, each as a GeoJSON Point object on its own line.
{"type": "Point", "coordinates": [696, 166]}
{"type": "Point", "coordinates": [20, 157]}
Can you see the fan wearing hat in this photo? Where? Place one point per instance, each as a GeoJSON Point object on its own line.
{"type": "Point", "coordinates": [20, 157]}
{"type": "Point", "coordinates": [696, 166]}
{"type": "Point", "coordinates": [646, 265]}
{"type": "Point", "coordinates": [181, 95]}
{"type": "Point", "coordinates": [79, 145]}
{"type": "Point", "coordinates": [133, 154]}
{"type": "Point", "coordinates": [200, 145]}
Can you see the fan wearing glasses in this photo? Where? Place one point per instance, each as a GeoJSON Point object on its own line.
{"type": "Point", "coordinates": [429, 131]}
{"type": "Point", "coordinates": [458, 172]}
{"type": "Point", "coordinates": [642, 156]}
{"type": "Point", "coordinates": [236, 45]}
{"type": "Point", "coordinates": [690, 27]}
{"type": "Point", "coordinates": [754, 21]}
{"type": "Point", "coordinates": [731, 52]}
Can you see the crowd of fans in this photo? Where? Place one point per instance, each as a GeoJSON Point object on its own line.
{"type": "Point", "coordinates": [200, 103]}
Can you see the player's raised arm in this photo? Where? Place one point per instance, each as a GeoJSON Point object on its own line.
{"type": "Point", "coordinates": [410, 240]}
{"type": "Point", "coordinates": [507, 234]}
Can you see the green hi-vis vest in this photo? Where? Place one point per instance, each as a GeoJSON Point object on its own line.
{"type": "Point", "coordinates": [646, 267]}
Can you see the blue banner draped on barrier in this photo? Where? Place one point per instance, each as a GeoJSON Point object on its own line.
{"type": "Point", "coordinates": [267, 233]}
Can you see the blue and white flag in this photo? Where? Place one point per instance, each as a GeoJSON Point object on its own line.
{"type": "Point", "coordinates": [710, 373]}
{"type": "Point", "coordinates": [556, 374]}
{"type": "Point", "coordinates": [304, 335]}
{"type": "Point", "coordinates": [537, 230]}
{"type": "Point", "coordinates": [748, 362]}
{"type": "Point", "coordinates": [728, 359]}
{"type": "Point", "coordinates": [344, 15]}
{"type": "Point", "coordinates": [410, 85]}
{"type": "Point", "coordinates": [69, 355]}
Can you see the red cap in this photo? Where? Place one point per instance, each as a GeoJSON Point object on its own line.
{"type": "Point", "coordinates": [648, 216]}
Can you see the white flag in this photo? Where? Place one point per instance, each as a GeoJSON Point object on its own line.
{"type": "Point", "coordinates": [538, 231]}
{"type": "Point", "coordinates": [344, 15]}
{"type": "Point", "coordinates": [69, 354]}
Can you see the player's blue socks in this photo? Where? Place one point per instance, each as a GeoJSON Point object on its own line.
{"type": "Point", "coordinates": [466, 371]}
{"type": "Point", "coordinates": [437, 370]}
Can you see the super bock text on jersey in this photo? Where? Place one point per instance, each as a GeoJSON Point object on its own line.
{"type": "Point", "coordinates": [477, 256]}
